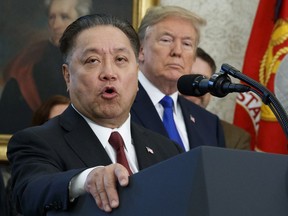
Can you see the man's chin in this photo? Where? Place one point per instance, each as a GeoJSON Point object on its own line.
{"type": "Point", "coordinates": [55, 41]}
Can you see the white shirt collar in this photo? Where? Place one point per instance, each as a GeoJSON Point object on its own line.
{"type": "Point", "coordinates": [103, 133]}
{"type": "Point", "coordinates": [154, 93]}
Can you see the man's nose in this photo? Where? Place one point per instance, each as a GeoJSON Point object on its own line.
{"type": "Point", "coordinates": [107, 72]}
{"type": "Point", "coordinates": [56, 22]}
{"type": "Point", "coordinates": [176, 49]}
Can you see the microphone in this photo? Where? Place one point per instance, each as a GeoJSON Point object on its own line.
{"type": "Point", "coordinates": [218, 85]}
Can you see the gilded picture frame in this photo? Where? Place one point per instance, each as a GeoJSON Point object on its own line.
{"type": "Point", "coordinates": [139, 9]}
{"type": "Point", "coordinates": [4, 138]}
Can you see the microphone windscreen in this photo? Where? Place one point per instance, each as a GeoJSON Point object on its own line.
{"type": "Point", "coordinates": [188, 84]}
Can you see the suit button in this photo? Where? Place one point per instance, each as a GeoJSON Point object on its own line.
{"type": "Point", "coordinates": [59, 206]}
{"type": "Point", "coordinates": [48, 207]}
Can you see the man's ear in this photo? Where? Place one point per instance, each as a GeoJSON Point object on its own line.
{"type": "Point", "coordinates": [141, 54]}
{"type": "Point", "coordinates": [66, 75]}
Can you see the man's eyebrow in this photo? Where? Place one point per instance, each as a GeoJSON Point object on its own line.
{"type": "Point", "coordinates": [90, 50]}
{"type": "Point", "coordinates": [167, 33]}
{"type": "Point", "coordinates": [121, 49]}
{"type": "Point", "coordinates": [97, 50]}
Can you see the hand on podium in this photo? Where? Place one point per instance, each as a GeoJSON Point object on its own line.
{"type": "Point", "coordinates": [101, 184]}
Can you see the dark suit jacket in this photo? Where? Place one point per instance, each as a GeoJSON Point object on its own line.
{"type": "Point", "coordinates": [45, 158]}
{"type": "Point", "coordinates": [203, 127]}
{"type": "Point", "coordinates": [236, 137]}
{"type": "Point", "coordinates": [2, 195]}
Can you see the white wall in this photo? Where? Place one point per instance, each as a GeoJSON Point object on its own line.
{"type": "Point", "coordinates": [224, 37]}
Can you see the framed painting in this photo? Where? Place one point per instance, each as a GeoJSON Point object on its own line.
{"type": "Point", "coordinates": [23, 24]}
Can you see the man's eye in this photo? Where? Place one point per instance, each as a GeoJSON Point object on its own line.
{"type": "Point", "coordinates": [166, 40]}
{"type": "Point", "coordinates": [121, 59]}
{"type": "Point", "coordinates": [51, 17]}
{"type": "Point", "coordinates": [187, 44]}
{"type": "Point", "coordinates": [91, 60]}
{"type": "Point", "coordinates": [64, 17]}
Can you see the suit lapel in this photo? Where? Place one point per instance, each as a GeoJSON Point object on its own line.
{"type": "Point", "coordinates": [190, 120]}
{"type": "Point", "coordinates": [82, 139]}
{"type": "Point", "coordinates": [145, 159]}
{"type": "Point", "coordinates": [144, 113]}
{"type": "Point", "coordinates": [146, 150]}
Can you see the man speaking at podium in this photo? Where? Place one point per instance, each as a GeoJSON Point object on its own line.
{"type": "Point", "coordinates": [93, 144]}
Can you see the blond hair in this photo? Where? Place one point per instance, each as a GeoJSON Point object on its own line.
{"type": "Point", "coordinates": [158, 13]}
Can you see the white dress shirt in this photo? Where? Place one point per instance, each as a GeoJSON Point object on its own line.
{"type": "Point", "coordinates": [156, 96]}
{"type": "Point", "coordinates": [103, 134]}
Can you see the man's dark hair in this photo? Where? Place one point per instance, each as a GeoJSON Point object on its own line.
{"type": "Point", "coordinates": [200, 53]}
{"type": "Point", "coordinates": [85, 22]}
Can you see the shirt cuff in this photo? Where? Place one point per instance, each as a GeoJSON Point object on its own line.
{"type": "Point", "coordinates": [77, 183]}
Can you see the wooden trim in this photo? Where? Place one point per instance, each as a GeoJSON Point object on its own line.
{"type": "Point", "coordinates": [4, 139]}
{"type": "Point", "coordinates": [139, 9]}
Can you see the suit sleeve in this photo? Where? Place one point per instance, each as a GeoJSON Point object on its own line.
{"type": "Point", "coordinates": [220, 132]}
{"type": "Point", "coordinates": [39, 181]}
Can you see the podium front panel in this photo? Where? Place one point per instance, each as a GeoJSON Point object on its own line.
{"type": "Point", "coordinates": [206, 181]}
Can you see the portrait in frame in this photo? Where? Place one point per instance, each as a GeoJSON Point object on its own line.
{"type": "Point", "coordinates": [24, 22]}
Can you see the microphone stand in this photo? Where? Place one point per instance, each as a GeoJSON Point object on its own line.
{"type": "Point", "coordinates": [267, 96]}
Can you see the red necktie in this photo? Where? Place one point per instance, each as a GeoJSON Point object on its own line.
{"type": "Point", "coordinates": [117, 143]}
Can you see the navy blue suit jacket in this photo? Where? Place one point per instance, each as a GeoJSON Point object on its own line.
{"type": "Point", "coordinates": [46, 157]}
{"type": "Point", "coordinates": [203, 127]}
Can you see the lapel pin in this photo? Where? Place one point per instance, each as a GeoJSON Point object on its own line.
{"type": "Point", "coordinates": [192, 118]}
{"type": "Point", "coordinates": [149, 150]}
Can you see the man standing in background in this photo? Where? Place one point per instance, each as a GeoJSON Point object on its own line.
{"type": "Point", "coordinates": [169, 36]}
